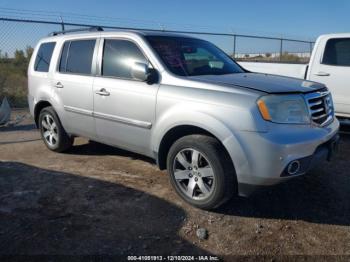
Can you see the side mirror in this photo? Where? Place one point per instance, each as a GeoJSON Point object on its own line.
{"type": "Point", "coordinates": [140, 71]}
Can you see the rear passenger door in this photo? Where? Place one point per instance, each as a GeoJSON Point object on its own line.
{"type": "Point", "coordinates": [124, 108]}
{"type": "Point", "coordinates": [73, 82]}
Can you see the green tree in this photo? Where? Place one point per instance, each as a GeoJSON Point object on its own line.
{"type": "Point", "coordinates": [13, 76]}
{"type": "Point", "coordinates": [29, 52]}
{"type": "Point", "coordinates": [19, 57]}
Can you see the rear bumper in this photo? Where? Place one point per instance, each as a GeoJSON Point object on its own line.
{"type": "Point", "coordinates": [31, 104]}
{"type": "Point", "coordinates": [264, 157]}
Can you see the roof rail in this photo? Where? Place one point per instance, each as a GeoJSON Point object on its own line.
{"type": "Point", "coordinates": [90, 29]}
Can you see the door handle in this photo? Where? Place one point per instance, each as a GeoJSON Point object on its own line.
{"type": "Point", "coordinates": [102, 92]}
{"type": "Point", "coordinates": [58, 85]}
{"type": "Point", "coordinates": [322, 74]}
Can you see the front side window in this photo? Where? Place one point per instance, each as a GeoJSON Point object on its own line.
{"type": "Point", "coordinates": [191, 57]}
{"type": "Point", "coordinates": [337, 52]}
{"type": "Point", "coordinates": [77, 57]}
{"type": "Point", "coordinates": [43, 57]}
{"type": "Point", "coordinates": [118, 58]}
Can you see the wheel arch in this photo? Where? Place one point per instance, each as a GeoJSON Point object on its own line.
{"type": "Point", "coordinates": [176, 132]}
{"type": "Point", "coordinates": [37, 109]}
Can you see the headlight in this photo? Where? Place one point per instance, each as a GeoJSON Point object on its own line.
{"type": "Point", "coordinates": [284, 109]}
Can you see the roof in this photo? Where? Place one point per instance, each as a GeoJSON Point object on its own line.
{"type": "Point", "coordinates": [335, 35]}
{"type": "Point", "coordinates": [115, 32]}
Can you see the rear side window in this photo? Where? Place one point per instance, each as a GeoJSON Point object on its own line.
{"type": "Point", "coordinates": [337, 52]}
{"type": "Point", "coordinates": [43, 57]}
{"type": "Point", "coordinates": [119, 56]}
{"type": "Point", "coordinates": [63, 61]}
{"type": "Point", "coordinates": [77, 56]}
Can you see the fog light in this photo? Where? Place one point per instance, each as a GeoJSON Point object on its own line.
{"type": "Point", "coordinates": [293, 167]}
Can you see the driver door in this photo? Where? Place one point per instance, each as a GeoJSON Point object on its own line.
{"type": "Point", "coordinates": [124, 108]}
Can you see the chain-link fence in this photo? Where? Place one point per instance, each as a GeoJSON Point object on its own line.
{"type": "Point", "coordinates": [19, 36]}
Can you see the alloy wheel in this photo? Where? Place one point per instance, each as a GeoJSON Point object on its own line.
{"type": "Point", "coordinates": [193, 174]}
{"type": "Point", "coordinates": [49, 130]}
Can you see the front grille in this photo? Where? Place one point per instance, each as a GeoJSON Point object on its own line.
{"type": "Point", "coordinates": [320, 106]}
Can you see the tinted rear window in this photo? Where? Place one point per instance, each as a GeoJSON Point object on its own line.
{"type": "Point", "coordinates": [43, 57]}
{"type": "Point", "coordinates": [77, 56]}
{"type": "Point", "coordinates": [337, 52]}
{"type": "Point", "coordinates": [63, 61]}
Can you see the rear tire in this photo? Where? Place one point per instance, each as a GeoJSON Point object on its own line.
{"type": "Point", "coordinates": [52, 131]}
{"type": "Point", "coordinates": [201, 171]}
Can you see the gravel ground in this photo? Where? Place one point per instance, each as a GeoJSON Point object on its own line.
{"type": "Point", "coordinates": [96, 199]}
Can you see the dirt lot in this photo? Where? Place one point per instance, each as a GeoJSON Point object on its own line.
{"type": "Point", "coordinates": [97, 199]}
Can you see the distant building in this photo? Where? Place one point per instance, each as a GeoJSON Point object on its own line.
{"type": "Point", "coordinates": [271, 55]}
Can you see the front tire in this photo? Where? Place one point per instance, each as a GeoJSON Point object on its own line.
{"type": "Point", "coordinates": [201, 171]}
{"type": "Point", "coordinates": [52, 131]}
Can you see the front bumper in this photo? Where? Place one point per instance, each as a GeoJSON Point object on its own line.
{"type": "Point", "coordinates": [264, 157]}
{"type": "Point", "coordinates": [323, 152]}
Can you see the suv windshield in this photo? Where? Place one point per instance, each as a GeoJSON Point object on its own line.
{"type": "Point", "coordinates": [191, 57]}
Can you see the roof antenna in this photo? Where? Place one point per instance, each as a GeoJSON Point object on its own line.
{"type": "Point", "coordinates": [62, 23]}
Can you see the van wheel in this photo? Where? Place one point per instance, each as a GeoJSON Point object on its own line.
{"type": "Point", "coordinates": [52, 132]}
{"type": "Point", "coordinates": [201, 171]}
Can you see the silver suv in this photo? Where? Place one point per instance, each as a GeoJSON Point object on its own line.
{"type": "Point", "coordinates": [217, 128]}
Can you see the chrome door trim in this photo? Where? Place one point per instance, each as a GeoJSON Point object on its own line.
{"type": "Point", "coordinates": [78, 110]}
{"type": "Point", "coordinates": [123, 120]}
{"type": "Point", "coordinates": [119, 119]}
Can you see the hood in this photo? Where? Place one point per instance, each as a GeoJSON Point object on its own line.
{"type": "Point", "coordinates": [262, 82]}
